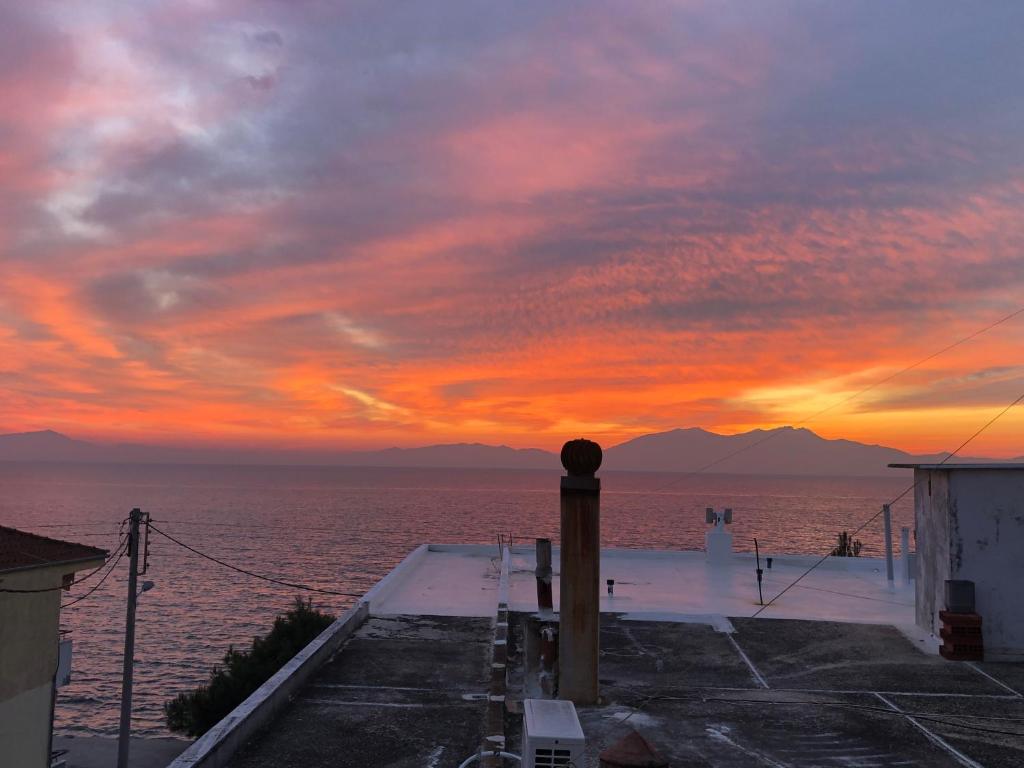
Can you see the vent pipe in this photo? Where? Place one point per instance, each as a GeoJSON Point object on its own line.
{"type": "Point", "coordinates": [579, 610]}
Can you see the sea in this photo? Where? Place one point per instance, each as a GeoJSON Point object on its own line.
{"type": "Point", "coordinates": [343, 528]}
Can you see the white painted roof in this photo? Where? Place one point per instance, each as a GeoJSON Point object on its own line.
{"type": "Point", "coordinates": [462, 580]}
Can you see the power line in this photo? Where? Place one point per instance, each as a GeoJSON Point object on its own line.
{"type": "Point", "coordinates": [267, 526]}
{"type": "Point", "coordinates": [304, 587]}
{"type": "Point", "coordinates": [75, 582]}
{"type": "Point", "coordinates": [80, 598]}
{"type": "Point", "coordinates": [907, 490]}
{"type": "Point", "coordinates": [772, 435]}
{"type": "Point", "coordinates": [84, 524]}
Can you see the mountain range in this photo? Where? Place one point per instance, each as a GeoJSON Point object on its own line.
{"type": "Point", "coordinates": [781, 451]}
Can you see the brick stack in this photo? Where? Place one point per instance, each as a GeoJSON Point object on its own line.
{"type": "Point", "coordinates": [961, 636]}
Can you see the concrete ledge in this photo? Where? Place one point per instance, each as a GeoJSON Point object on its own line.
{"type": "Point", "coordinates": [218, 745]}
{"type": "Point", "coordinates": [380, 591]}
{"type": "Point", "coordinates": [504, 580]}
{"type": "Point", "coordinates": [494, 717]}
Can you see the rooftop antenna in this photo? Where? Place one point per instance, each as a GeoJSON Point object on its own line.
{"type": "Point", "coordinates": [718, 519]}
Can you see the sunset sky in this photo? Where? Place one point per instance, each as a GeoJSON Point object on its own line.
{"type": "Point", "coordinates": [353, 225]}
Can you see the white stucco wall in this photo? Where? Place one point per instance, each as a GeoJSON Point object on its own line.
{"type": "Point", "coordinates": [970, 525]}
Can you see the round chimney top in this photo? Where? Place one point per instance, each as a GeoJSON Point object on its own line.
{"type": "Point", "coordinates": [581, 458]}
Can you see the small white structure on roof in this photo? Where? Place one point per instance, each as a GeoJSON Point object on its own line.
{"type": "Point", "coordinates": [970, 526]}
{"type": "Point", "coordinates": [717, 540]}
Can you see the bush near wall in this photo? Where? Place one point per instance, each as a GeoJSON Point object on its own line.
{"type": "Point", "coordinates": [242, 672]}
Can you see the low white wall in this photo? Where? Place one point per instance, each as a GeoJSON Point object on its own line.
{"type": "Point", "coordinates": [380, 591]}
{"type": "Point", "coordinates": [218, 745]}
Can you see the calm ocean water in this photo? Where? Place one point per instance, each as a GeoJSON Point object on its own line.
{"type": "Point", "coordinates": [343, 529]}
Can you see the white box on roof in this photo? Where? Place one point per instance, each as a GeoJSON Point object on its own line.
{"type": "Point", "coordinates": [552, 735]}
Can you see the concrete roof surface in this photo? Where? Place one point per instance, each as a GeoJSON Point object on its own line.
{"type": "Point", "coordinates": [410, 691]}
{"type": "Point", "coordinates": [20, 550]}
{"type": "Point", "coordinates": [682, 661]}
{"type": "Point", "coordinates": [405, 691]}
{"type": "Point", "coordinates": [792, 694]}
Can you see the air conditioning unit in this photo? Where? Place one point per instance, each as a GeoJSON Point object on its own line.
{"type": "Point", "coordinates": [552, 735]}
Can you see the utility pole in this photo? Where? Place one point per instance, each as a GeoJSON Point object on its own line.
{"type": "Point", "coordinates": [124, 734]}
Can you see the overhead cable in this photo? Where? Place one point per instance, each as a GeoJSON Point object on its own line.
{"type": "Point", "coordinates": [775, 433]}
{"type": "Point", "coordinates": [903, 493]}
{"type": "Point", "coordinates": [89, 575]}
{"type": "Point", "coordinates": [304, 587]}
{"type": "Point", "coordinates": [80, 598]}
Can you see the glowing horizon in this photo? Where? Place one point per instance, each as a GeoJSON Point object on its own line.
{"type": "Point", "coordinates": [301, 226]}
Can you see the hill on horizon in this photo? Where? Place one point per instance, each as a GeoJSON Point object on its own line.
{"type": "Point", "coordinates": [780, 451]}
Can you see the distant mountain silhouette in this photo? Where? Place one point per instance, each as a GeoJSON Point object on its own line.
{"type": "Point", "coordinates": [470, 455]}
{"type": "Point", "coordinates": [782, 451]}
{"type": "Point", "coordinates": [44, 446]}
{"type": "Point", "coordinates": [48, 445]}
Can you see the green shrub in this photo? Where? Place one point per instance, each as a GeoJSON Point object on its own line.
{"type": "Point", "coordinates": [846, 547]}
{"type": "Point", "coordinates": [242, 672]}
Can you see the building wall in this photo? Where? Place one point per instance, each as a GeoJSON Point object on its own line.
{"type": "Point", "coordinates": [970, 525]}
{"type": "Point", "coordinates": [25, 728]}
{"type": "Point", "coordinates": [987, 547]}
{"type": "Point", "coordinates": [931, 520]}
{"type": "Point", "coordinates": [28, 661]}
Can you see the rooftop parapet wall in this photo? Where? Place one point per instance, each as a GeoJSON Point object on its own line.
{"type": "Point", "coordinates": [217, 747]}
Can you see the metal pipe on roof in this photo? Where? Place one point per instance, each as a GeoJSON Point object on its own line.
{"type": "Point", "coordinates": [543, 574]}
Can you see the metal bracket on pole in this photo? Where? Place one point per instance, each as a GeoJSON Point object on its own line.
{"type": "Point", "coordinates": [145, 546]}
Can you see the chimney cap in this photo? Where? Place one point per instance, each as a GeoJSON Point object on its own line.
{"type": "Point", "coordinates": [581, 457]}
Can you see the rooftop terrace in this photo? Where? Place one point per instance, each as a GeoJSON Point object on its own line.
{"type": "Point", "coordinates": [833, 674]}
{"type": "Point", "coordinates": [462, 580]}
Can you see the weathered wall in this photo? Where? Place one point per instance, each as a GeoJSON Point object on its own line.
{"type": "Point", "coordinates": [987, 547]}
{"type": "Point", "coordinates": [217, 746]}
{"type": "Point", "coordinates": [931, 519]}
{"type": "Point", "coordinates": [28, 660]}
{"type": "Point", "coordinates": [28, 631]}
{"type": "Point", "coordinates": [25, 728]}
{"type": "Point", "coordinates": [29, 638]}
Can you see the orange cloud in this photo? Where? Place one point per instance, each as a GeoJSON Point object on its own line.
{"type": "Point", "coordinates": [291, 229]}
